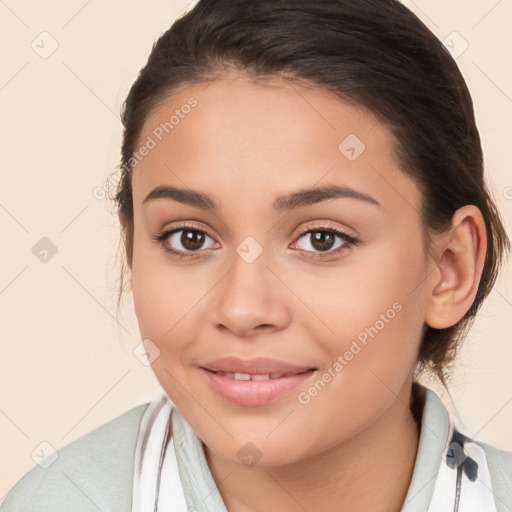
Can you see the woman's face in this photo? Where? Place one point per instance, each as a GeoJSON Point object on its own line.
{"type": "Point", "coordinates": [265, 272]}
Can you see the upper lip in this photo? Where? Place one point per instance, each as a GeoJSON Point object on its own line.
{"type": "Point", "coordinates": [256, 366]}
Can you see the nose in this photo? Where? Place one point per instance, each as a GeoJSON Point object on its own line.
{"type": "Point", "coordinates": [250, 299]}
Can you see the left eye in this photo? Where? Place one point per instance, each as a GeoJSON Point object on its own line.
{"type": "Point", "coordinates": [323, 240]}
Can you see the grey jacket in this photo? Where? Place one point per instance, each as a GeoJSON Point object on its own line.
{"type": "Point", "coordinates": [95, 472]}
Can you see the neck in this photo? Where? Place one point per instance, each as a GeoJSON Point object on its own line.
{"type": "Point", "coordinates": [370, 471]}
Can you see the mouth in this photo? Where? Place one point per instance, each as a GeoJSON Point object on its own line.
{"type": "Point", "coordinates": [258, 366]}
{"type": "Point", "coordinates": [261, 376]}
{"type": "Point", "coordinates": [253, 382]}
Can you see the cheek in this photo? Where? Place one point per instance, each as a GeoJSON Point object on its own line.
{"type": "Point", "coordinates": [162, 306]}
{"type": "Point", "coordinates": [377, 318]}
{"type": "Point", "coordinates": [164, 318]}
{"type": "Point", "coordinates": [158, 296]}
{"type": "Point", "coordinates": [168, 300]}
{"type": "Point", "coordinates": [374, 306]}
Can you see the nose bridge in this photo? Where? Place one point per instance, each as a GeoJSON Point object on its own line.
{"type": "Point", "coordinates": [248, 297]}
{"type": "Point", "coordinates": [247, 283]}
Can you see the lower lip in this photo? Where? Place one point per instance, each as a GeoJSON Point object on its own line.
{"type": "Point", "coordinates": [251, 393]}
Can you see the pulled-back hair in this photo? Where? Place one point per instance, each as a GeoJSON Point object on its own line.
{"type": "Point", "coordinates": [373, 53]}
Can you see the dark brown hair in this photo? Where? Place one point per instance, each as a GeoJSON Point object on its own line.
{"type": "Point", "coordinates": [373, 53]}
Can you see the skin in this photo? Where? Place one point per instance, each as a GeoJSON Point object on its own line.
{"type": "Point", "coordinates": [244, 144]}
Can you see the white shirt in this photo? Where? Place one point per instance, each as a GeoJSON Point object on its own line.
{"type": "Point", "coordinates": [450, 472]}
{"type": "Point", "coordinates": [101, 471]}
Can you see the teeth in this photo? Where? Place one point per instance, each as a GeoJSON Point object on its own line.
{"type": "Point", "coordinates": [260, 377]}
{"type": "Point", "coordinates": [248, 376]}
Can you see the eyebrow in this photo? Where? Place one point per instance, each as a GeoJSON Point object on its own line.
{"type": "Point", "coordinates": [294, 200]}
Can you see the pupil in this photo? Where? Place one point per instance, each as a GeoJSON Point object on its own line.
{"type": "Point", "coordinates": [322, 240]}
{"type": "Point", "coordinates": [192, 240]}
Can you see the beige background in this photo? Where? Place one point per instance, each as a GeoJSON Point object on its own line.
{"type": "Point", "coordinates": [66, 363]}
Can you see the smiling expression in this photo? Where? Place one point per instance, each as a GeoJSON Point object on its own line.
{"type": "Point", "coordinates": [295, 232]}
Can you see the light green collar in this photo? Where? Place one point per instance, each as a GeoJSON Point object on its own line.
{"type": "Point", "coordinates": [202, 494]}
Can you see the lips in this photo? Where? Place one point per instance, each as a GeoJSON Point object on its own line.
{"type": "Point", "coordinates": [254, 367]}
{"type": "Point", "coordinates": [260, 376]}
{"type": "Point", "coordinates": [253, 382]}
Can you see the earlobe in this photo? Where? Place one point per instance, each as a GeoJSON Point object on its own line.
{"type": "Point", "coordinates": [460, 256]}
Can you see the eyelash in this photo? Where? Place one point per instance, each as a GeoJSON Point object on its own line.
{"type": "Point", "coordinates": [349, 240]}
{"type": "Point", "coordinates": [163, 235]}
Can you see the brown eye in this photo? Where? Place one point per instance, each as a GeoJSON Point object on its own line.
{"type": "Point", "coordinates": [192, 240]}
{"type": "Point", "coordinates": [187, 240]}
{"type": "Point", "coordinates": [184, 242]}
{"type": "Point", "coordinates": [324, 240]}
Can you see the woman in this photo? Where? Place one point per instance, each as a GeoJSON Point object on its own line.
{"type": "Point", "coordinates": [307, 229]}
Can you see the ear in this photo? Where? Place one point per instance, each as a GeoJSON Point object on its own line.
{"type": "Point", "coordinates": [459, 259]}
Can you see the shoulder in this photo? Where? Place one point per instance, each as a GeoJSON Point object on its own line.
{"type": "Point", "coordinates": [500, 470]}
{"type": "Point", "coordinates": [444, 429]}
{"type": "Point", "coordinates": [94, 472]}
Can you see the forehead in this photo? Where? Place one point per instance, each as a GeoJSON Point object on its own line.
{"type": "Point", "coordinates": [275, 111]}
{"type": "Point", "coordinates": [233, 133]}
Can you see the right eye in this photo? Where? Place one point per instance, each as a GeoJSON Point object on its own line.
{"type": "Point", "coordinates": [183, 242]}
